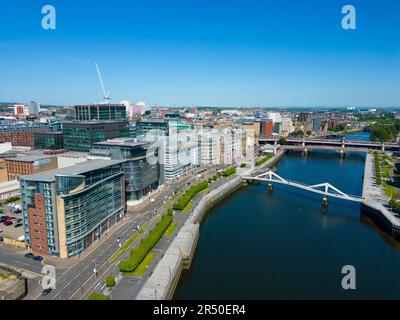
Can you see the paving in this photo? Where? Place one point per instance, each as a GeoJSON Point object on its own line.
{"type": "Point", "coordinates": [374, 194]}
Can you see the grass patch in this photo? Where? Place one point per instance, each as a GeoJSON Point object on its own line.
{"type": "Point", "coordinates": [188, 207]}
{"type": "Point", "coordinates": [172, 199]}
{"type": "Point", "coordinates": [263, 160]}
{"type": "Point", "coordinates": [171, 229]}
{"type": "Point", "coordinates": [390, 191]}
{"type": "Point", "coordinates": [126, 246]}
{"type": "Point", "coordinates": [144, 265]}
{"type": "Point", "coordinates": [98, 296]}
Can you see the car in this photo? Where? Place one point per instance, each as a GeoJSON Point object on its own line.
{"type": "Point", "coordinates": [1, 239]}
{"type": "Point", "coordinates": [1, 231]}
{"type": "Point", "coordinates": [29, 255]}
{"type": "Point", "coordinates": [38, 258]}
{"type": "Point", "coordinates": [46, 291]}
{"type": "Point", "coordinates": [18, 225]}
{"type": "Point", "coordinates": [7, 223]}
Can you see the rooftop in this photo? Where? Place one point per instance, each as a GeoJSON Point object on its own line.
{"type": "Point", "coordinates": [126, 142]}
{"type": "Point", "coordinates": [90, 165]}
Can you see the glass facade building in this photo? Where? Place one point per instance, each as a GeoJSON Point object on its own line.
{"type": "Point", "coordinates": [49, 140]}
{"type": "Point", "coordinates": [67, 210]}
{"type": "Point", "coordinates": [101, 112]}
{"type": "Point", "coordinates": [141, 177]}
{"type": "Point", "coordinates": [81, 135]}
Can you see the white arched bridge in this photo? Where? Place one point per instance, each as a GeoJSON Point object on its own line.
{"type": "Point", "coordinates": [325, 189]}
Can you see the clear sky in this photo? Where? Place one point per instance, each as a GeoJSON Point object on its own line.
{"type": "Point", "coordinates": [202, 52]}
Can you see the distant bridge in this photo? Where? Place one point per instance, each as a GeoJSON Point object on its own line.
{"type": "Point", "coordinates": [325, 189]}
{"type": "Point", "coordinates": [328, 144]}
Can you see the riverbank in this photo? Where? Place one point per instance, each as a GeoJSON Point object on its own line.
{"type": "Point", "coordinates": [376, 204]}
{"type": "Point", "coordinates": [165, 277]}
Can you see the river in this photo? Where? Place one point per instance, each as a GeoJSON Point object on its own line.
{"type": "Point", "coordinates": [284, 245]}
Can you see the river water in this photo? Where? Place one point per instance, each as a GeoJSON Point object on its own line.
{"type": "Point", "coordinates": [284, 245]}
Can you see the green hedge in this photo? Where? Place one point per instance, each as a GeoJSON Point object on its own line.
{"type": "Point", "coordinates": [229, 172]}
{"type": "Point", "coordinates": [243, 165]}
{"type": "Point", "coordinates": [11, 199]}
{"type": "Point", "coordinates": [185, 199]}
{"type": "Point", "coordinates": [263, 160]}
{"type": "Point", "coordinates": [139, 253]}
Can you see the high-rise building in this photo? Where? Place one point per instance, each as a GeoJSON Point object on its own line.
{"type": "Point", "coordinates": [141, 176]}
{"type": "Point", "coordinates": [81, 135]}
{"type": "Point", "coordinates": [267, 128]}
{"type": "Point", "coordinates": [67, 210]}
{"type": "Point", "coordinates": [100, 112]}
{"type": "Point", "coordinates": [315, 124]}
{"type": "Point", "coordinates": [287, 126]}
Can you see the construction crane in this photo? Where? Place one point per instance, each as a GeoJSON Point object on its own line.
{"type": "Point", "coordinates": [106, 96]}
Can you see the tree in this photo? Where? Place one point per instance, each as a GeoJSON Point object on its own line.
{"type": "Point", "coordinates": [282, 141]}
{"type": "Point", "coordinates": [297, 134]}
{"type": "Point", "coordinates": [110, 281]}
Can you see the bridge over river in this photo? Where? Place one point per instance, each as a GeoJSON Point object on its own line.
{"type": "Point", "coordinates": [332, 144]}
{"type": "Point", "coordinates": [325, 189]}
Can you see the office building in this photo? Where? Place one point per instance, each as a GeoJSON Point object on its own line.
{"type": "Point", "coordinates": [100, 112]}
{"type": "Point", "coordinates": [49, 140]}
{"type": "Point", "coordinates": [67, 210]}
{"type": "Point", "coordinates": [179, 150]}
{"type": "Point", "coordinates": [28, 164]}
{"type": "Point", "coordinates": [81, 135]}
{"type": "Point", "coordinates": [141, 176]}
{"type": "Point", "coordinates": [22, 133]}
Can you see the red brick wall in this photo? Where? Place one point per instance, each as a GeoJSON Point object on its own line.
{"type": "Point", "coordinates": [37, 226]}
{"type": "Point", "coordinates": [24, 139]}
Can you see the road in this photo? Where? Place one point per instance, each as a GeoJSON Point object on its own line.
{"type": "Point", "coordinates": [70, 281]}
{"type": "Point", "coordinates": [129, 286]}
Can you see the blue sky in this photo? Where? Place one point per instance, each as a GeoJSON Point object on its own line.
{"type": "Point", "coordinates": [202, 52]}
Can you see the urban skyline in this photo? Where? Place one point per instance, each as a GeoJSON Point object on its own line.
{"type": "Point", "coordinates": [288, 54]}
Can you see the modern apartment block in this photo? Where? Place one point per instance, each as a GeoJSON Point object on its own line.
{"type": "Point", "coordinates": [141, 176]}
{"type": "Point", "coordinates": [81, 135]}
{"type": "Point", "coordinates": [67, 210]}
{"type": "Point", "coordinates": [100, 112]}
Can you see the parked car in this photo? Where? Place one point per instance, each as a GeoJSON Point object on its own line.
{"type": "Point", "coordinates": [18, 225]}
{"type": "Point", "coordinates": [46, 291]}
{"type": "Point", "coordinates": [29, 255]}
{"type": "Point", "coordinates": [8, 223]}
{"type": "Point", "coordinates": [1, 231]}
{"type": "Point", "coordinates": [38, 258]}
{"type": "Point", "coordinates": [1, 239]}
